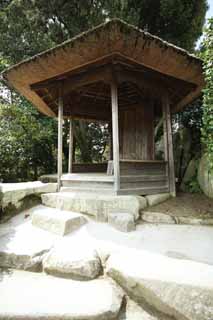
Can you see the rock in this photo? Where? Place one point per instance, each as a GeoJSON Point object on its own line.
{"type": "Point", "coordinates": [157, 217]}
{"type": "Point", "coordinates": [205, 178]}
{"type": "Point", "coordinates": [182, 144]}
{"type": "Point", "coordinates": [26, 295]}
{"type": "Point", "coordinates": [135, 312]}
{"type": "Point", "coordinates": [195, 221]}
{"type": "Point", "coordinates": [94, 204]}
{"type": "Point", "coordinates": [13, 254]}
{"type": "Point", "coordinates": [78, 263]}
{"type": "Point", "coordinates": [154, 199]}
{"type": "Point", "coordinates": [189, 174]}
{"type": "Point", "coordinates": [13, 193]}
{"type": "Point", "coordinates": [178, 288]}
{"type": "Point", "coordinates": [56, 221]}
{"type": "Point", "coordinates": [21, 262]}
{"type": "Point", "coordinates": [122, 221]}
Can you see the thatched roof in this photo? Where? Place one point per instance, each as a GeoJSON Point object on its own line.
{"type": "Point", "coordinates": [38, 78]}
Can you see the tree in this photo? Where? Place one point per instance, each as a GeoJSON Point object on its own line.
{"type": "Point", "coordinates": [27, 143]}
{"type": "Point", "coordinates": [207, 128]}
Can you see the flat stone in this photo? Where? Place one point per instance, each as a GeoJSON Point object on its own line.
{"type": "Point", "coordinates": [27, 295]}
{"type": "Point", "coordinates": [13, 193]}
{"type": "Point", "coordinates": [58, 222]}
{"type": "Point", "coordinates": [157, 217]}
{"type": "Point", "coordinates": [94, 204]}
{"type": "Point", "coordinates": [22, 248]}
{"type": "Point", "coordinates": [178, 288]}
{"type": "Point", "coordinates": [134, 311]}
{"type": "Point", "coordinates": [75, 262]}
{"type": "Point", "coordinates": [195, 221]}
{"type": "Point", "coordinates": [122, 221]}
{"type": "Point", "coordinates": [154, 199]}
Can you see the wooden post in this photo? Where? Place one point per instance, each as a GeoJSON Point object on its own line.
{"type": "Point", "coordinates": [70, 147]}
{"type": "Point", "coordinates": [168, 145]}
{"type": "Point", "coordinates": [110, 142]}
{"type": "Point", "coordinates": [60, 138]}
{"type": "Point", "coordinates": [115, 136]}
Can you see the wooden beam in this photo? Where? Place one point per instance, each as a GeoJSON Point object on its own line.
{"type": "Point", "coordinates": [70, 147]}
{"type": "Point", "coordinates": [60, 138]}
{"type": "Point", "coordinates": [74, 82]}
{"type": "Point", "coordinates": [115, 136]}
{"type": "Point", "coordinates": [168, 144]}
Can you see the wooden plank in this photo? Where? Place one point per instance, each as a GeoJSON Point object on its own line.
{"type": "Point", "coordinates": [169, 144]}
{"type": "Point", "coordinates": [60, 138]}
{"type": "Point", "coordinates": [143, 191]}
{"type": "Point", "coordinates": [115, 135]}
{"type": "Point", "coordinates": [139, 178]}
{"type": "Point", "coordinates": [142, 161]}
{"type": "Point", "coordinates": [70, 160]}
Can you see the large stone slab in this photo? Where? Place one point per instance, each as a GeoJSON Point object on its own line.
{"type": "Point", "coordinates": [13, 193]}
{"type": "Point", "coordinates": [79, 263]}
{"type": "Point", "coordinates": [154, 199]}
{"type": "Point", "coordinates": [179, 288]}
{"type": "Point", "coordinates": [26, 295]}
{"type": "Point", "coordinates": [22, 248]}
{"type": "Point", "coordinates": [56, 221]}
{"type": "Point", "coordinates": [157, 217]}
{"type": "Point", "coordinates": [94, 204]}
{"type": "Point", "coordinates": [122, 221]}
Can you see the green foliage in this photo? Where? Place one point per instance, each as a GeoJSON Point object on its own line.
{"type": "Point", "coordinates": [193, 186]}
{"type": "Point", "coordinates": [28, 27]}
{"type": "Point", "coordinates": [177, 21]}
{"type": "Point", "coordinates": [207, 128]}
{"type": "Point", "coordinates": [27, 143]}
{"type": "Point", "coordinates": [91, 140]}
{"type": "Point", "coordinates": [191, 119]}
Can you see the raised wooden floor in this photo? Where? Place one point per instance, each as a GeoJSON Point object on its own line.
{"type": "Point", "coordinates": [103, 183]}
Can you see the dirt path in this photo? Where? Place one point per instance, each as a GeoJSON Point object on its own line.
{"type": "Point", "coordinates": [187, 204]}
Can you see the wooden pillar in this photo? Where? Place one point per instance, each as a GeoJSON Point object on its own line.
{"type": "Point", "coordinates": [115, 136]}
{"type": "Point", "coordinates": [60, 138]}
{"type": "Point", "coordinates": [70, 161]}
{"type": "Point", "coordinates": [168, 145]}
{"type": "Point", "coordinates": [110, 142]}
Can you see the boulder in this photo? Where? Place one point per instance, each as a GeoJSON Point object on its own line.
{"type": "Point", "coordinates": [157, 217]}
{"type": "Point", "coordinates": [154, 199]}
{"type": "Point", "coordinates": [178, 288]}
{"type": "Point", "coordinates": [94, 204]}
{"type": "Point", "coordinates": [27, 295]}
{"type": "Point", "coordinates": [13, 193]}
{"type": "Point", "coordinates": [205, 177]}
{"type": "Point", "coordinates": [79, 262]}
{"type": "Point", "coordinates": [189, 174]}
{"type": "Point", "coordinates": [19, 252]}
{"type": "Point", "coordinates": [122, 221]}
{"type": "Point", "coordinates": [56, 221]}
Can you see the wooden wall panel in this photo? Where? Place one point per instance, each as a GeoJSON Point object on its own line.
{"type": "Point", "coordinates": [137, 132]}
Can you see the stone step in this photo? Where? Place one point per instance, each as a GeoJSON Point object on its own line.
{"type": "Point", "coordinates": [179, 288]}
{"type": "Point", "coordinates": [99, 190]}
{"type": "Point", "coordinates": [57, 221]}
{"type": "Point", "coordinates": [47, 297]}
{"type": "Point", "coordinates": [22, 246]}
{"type": "Point", "coordinates": [77, 262]}
{"type": "Point", "coordinates": [97, 205]}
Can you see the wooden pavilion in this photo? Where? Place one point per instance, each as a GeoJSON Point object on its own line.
{"type": "Point", "coordinates": [121, 75]}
